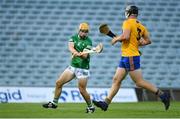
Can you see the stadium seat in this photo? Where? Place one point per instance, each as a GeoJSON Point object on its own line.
{"type": "Point", "coordinates": [34, 36]}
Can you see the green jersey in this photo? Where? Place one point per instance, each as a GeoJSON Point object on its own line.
{"type": "Point", "coordinates": [79, 45]}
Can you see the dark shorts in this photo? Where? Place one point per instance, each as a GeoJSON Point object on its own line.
{"type": "Point", "coordinates": [130, 63]}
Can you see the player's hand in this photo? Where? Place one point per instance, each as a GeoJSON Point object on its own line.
{"type": "Point", "coordinates": [77, 54]}
{"type": "Point", "coordinates": [143, 42]}
{"type": "Point", "coordinates": [140, 42]}
{"type": "Point", "coordinates": [84, 55]}
{"type": "Point", "coordinates": [114, 40]}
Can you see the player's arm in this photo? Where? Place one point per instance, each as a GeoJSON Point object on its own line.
{"type": "Point", "coordinates": [73, 50]}
{"type": "Point", "coordinates": [125, 35]}
{"type": "Point", "coordinates": [84, 56]}
{"type": "Point", "coordinates": [145, 40]}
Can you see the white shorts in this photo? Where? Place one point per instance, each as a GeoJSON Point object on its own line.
{"type": "Point", "coordinates": [79, 73]}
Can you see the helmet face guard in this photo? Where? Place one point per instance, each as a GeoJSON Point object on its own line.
{"type": "Point", "coordinates": [131, 9]}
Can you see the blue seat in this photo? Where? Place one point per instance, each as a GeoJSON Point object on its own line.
{"type": "Point", "coordinates": [34, 40]}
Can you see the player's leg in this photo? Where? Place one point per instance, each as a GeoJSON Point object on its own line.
{"type": "Point", "coordinates": [82, 84]}
{"type": "Point", "coordinates": [137, 77]}
{"type": "Point", "coordinates": [117, 79]}
{"type": "Point", "coordinates": [65, 77]}
{"type": "Point", "coordinates": [83, 75]}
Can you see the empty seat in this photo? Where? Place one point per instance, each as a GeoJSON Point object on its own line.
{"type": "Point", "coordinates": [34, 40]}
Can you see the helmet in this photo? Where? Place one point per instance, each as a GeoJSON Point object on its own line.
{"type": "Point", "coordinates": [84, 26]}
{"type": "Point", "coordinates": [131, 9]}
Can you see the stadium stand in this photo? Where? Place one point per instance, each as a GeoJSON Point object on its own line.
{"type": "Point", "coordinates": [34, 36]}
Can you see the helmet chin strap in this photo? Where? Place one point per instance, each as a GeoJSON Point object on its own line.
{"type": "Point", "coordinates": [127, 15]}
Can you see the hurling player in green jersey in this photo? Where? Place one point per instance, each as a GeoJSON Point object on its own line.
{"type": "Point", "coordinates": [78, 68]}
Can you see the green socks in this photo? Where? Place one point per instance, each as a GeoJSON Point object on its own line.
{"type": "Point", "coordinates": [89, 104]}
{"type": "Point", "coordinates": [55, 101]}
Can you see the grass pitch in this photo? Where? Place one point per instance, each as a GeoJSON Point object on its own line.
{"type": "Point", "coordinates": [77, 110]}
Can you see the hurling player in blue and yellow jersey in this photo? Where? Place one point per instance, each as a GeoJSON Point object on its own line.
{"type": "Point", "coordinates": [78, 68]}
{"type": "Point", "coordinates": [134, 35]}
